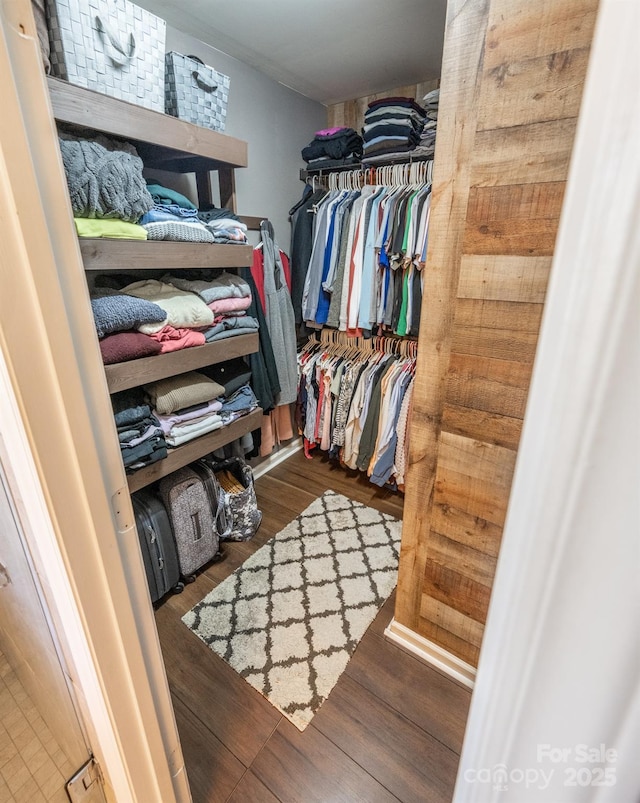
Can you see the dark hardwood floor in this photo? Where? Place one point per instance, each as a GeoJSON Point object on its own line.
{"type": "Point", "coordinates": [390, 730]}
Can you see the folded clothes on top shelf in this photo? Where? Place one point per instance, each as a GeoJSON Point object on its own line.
{"type": "Point", "coordinates": [167, 197]}
{"type": "Point", "coordinates": [181, 231]}
{"type": "Point", "coordinates": [109, 228]}
{"type": "Point", "coordinates": [392, 125]}
{"type": "Point", "coordinates": [104, 178]}
{"type": "Point", "coordinates": [334, 143]}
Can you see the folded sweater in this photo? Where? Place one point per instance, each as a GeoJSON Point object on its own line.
{"type": "Point", "coordinates": [164, 196]}
{"type": "Point", "coordinates": [229, 305]}
{"type": "Point", "coordinates": [171, 339]}
{"type": "Point", "coordinates": [178, 231]}
{"type": "Point", "coordinates": [183, 310]}
{"type": "Point", "coordinates": [123, 346]}
{"type": "Point", "coordinates": [104, 177]}
{"type": "Point", "coordinates": [224, 286]}
{"type": "Point", "coordinates": [184, 390]}
{"type": "Point", "coordinates": [119, 312]}
{"type": "Point", "coordinates": [111, 228]}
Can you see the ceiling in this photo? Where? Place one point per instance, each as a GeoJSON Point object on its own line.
{"type": "Point", "coordinates": [328, 50]}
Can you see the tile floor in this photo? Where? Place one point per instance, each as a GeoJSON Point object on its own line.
{"type": "Point", "coordinates": [33, 768]}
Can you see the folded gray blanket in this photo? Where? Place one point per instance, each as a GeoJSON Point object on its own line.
{"type": "Point", "coordinates": [104, 178]}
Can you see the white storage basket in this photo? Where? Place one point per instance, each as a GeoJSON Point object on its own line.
{"type": "Point", "coordinates": [196, 92]}
{"type": "Point", "coordinates": [111, 46]}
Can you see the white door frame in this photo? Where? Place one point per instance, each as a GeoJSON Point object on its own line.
{"type": "Point", "coordinates": [60, 448]}
{"type": "Point", "coordinates": [559, 667]}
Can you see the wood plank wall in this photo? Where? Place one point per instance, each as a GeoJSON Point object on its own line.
{"type": "Point", "coordinates": [350, 113]}
{"type": "Point", "coordinates": [512, 81]}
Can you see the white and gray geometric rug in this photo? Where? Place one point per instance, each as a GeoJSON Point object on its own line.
{"type": "Point", "coordinates": [290, 617]}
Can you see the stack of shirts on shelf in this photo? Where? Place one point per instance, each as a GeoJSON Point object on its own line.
{"type": "Point", "coordinates": [193, 404]}
{"type": "Point", "coordinates": [107, 191]}
{"type": "Point", "coordinates": [158, 316]}
{"type": "Point", "coordinates": [141, 438]}
{"type": "Point", "coordinates": [427, 145]}
{"type": "Point", "coordinates": [117, 318]}
{"type": "Point", "coordinates": [333, 147]}
{"type": "Point", "coordinates": [173, 217]}
{"type": "Point", "coordinates": [225, 226]}
{"type": "Point", "coordinates": [186, 406]}
{"type": "Point", "coordinates": [110, 198]}
{"type": "Point", "coordinates": [227, 298]}
{"type": "Point", "coordinates": [391, 126]}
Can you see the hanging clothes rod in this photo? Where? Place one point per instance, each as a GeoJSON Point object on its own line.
{"type": "Point", "coordinates": [308, 173]}
{"type": "Point", "coordinates": [388, 344]}
{"type": "Point", "coordinates": [397, 175]}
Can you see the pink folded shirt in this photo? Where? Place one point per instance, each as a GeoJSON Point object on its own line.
{"type": "Point", "coordinates": [229, 305]}
{"type": "Point", "coordinates": [172, 339]}
{"type": "Point", "coordinates": [327, 132]}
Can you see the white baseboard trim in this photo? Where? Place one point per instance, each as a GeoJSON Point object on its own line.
{"type": "Point", "coordinates": [275, 459]}
{"type": "Point", "coordinates": [430, 653]}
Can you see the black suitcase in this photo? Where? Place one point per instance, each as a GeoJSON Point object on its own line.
{"type": "Point", "coordinates": [157, 545]}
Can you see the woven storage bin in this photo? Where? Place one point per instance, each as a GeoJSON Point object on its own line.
{"type": "Point", "coordinates": [196, 92]}
{"type": "Point", "coordinates": [111, 46]}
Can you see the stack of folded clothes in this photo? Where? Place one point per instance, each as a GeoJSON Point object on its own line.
{"type": "Point", "coordinates": [141, 438]}
{"type": "Point", "coordinates": [117, 318]}
{"type": "Point", "coordinates": [225, 226]}
{"type": "Point", "coordinates": [333, 147]}
{"type": "Point", "coordinates": [186, 406]}
{"type": "Point", "coordinates": [391, 126]}
{"type": "Point", "coordinates": [227, 298]}
{"type": "Point", "coordinates": [107, 191]}
{"type": "Point", "coordinates": [240, 403]}
{"type": "Point", "coordinates": [427, 145]}
{"type": "Point", "coordinates": [158, 316]}
{"type": "Point", "coordinates": [173, 217]}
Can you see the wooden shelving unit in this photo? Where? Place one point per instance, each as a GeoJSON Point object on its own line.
{"type": "Point", "coordinates": [163, 142]}
{"type": "Point", "coordinates": [116, 255]}
{"type": "Point", "coordinates": [131, 374]}
{"type": "Point", "coordinates": [183, 455]}
{"type": "Point", "coordinates": [166, 143]}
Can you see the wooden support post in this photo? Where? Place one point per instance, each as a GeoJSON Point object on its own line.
{"type": "Point", "coordinates": [203, 183]}
{"type": "Point", "coordinates": [227, 181]}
